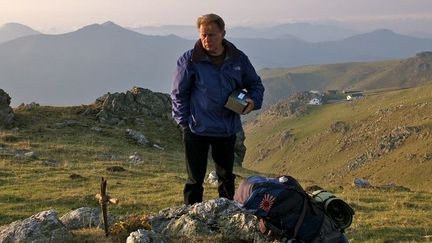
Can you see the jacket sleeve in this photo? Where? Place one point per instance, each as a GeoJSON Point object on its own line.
{"type": "Point", "coordinates": [252, 83]}
{"type": "Point", "coordinates": [181, 90]}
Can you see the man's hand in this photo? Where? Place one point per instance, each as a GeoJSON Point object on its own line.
{"type": "Point", "coordinates": [250, 106]}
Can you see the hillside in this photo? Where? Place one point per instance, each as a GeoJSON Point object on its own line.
{"type": "Point", "coordinates": [55, 157]}
{"type": "Point", "coordinates": [282, 82]}
{"type": "Point", "coordinates": [384, 137]}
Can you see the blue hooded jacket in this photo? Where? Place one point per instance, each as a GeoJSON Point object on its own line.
{"type": "Point", "coordinates": [200, 90]}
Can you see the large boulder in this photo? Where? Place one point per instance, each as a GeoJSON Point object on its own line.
{"type": "Point", "coordinates": [219, 220]}
{"type": "Point", "coordinates": [7, 116]}
{"type": "Point", "coordinates": [132, 106]}
{"type": "Point", "coordinates": [39, 228]}
{"type": "Point", "coordinates": [85, 217]}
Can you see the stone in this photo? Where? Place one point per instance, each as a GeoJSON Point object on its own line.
{"type": "Point", "coordinates": [39, 228]}
{"type": "Point", "coordinates": [30, 155]}
{"type": "Point", "coordinates": [339, 127]}
{"type": "Point", "coordinates": [30, 106]}
{"type": "Point", "coordinates": [146, 236]}
{"type": "Point", "coordinates": [50, 162]}
{"type": "Point", "coordinates": [7, 116]}
{"type": "Point", "coordinates": [220, 219]}
{"type": "Point", "coordinates": [361, 183]}
{"type": "Point", "coordinates": [135, 159]}
{"type": "Point", "coordinates": [212, 178]}
{"type": "Point", "coordinates": [138, 137]}
{"type": "Point", "coordinates": [131, 106]}
{"type": "Point", "coordinates": [85, 217]}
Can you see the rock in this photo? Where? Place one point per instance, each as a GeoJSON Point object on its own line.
{"type": "Point", "coordinates": [22, 155]}
{"type": "Point", "coordinates": [216, 219]}
{"type": "Point", "coordinates": [84, 217]}
{"type": "Point", "coordinates": [106, 157]}
{"type": "Point", "coordinates": [30, 106]}
{"type": "Point", "coordinates": [39, 228]}
{"type": "Point", "coordinates": [135, 159]}
{"type": "Point", "coordinates": [96, 129]}
{"type": "Point", "coordinates": [285, 137]}
{"type": "Point", "coordinates": [339, 127]}
{"type": "Point", "coordinates": [7, 117]}
{"type": "Point", "coordinates": [137, 137]}
{"type": "Point", "coordinates": [131, 107]}
{"type": "Point", "coordinates": [30, 155]}
{"type": "Point", "coordinates": [361, 183]}
{"type": "Point", "coordinates": [212, 178]}
{"type": "Point", "coordinates": [146, 236]}
{"type": "Point", "coordinates": [50, 162]}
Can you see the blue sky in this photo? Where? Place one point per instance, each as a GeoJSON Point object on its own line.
{"type": "Point", "coordinates": [72, 14]}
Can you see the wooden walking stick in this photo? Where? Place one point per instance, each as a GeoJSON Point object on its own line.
{"type": "Point", "coordinates": [104, 199]}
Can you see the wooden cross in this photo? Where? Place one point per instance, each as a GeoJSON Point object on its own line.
{"type": "Point", "coordinates": [104, 199]}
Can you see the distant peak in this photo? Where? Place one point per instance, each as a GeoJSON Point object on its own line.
{"type": "Point", "coordinates": [107, 25]}
{"type": "Point", "coordinates": [383, 31]}
{"type": "Point", "coordinates": [12, 24]}
{"type": "Point", "coordinates": [15, 26]}
{"type": "Point", "coordinates": [110, 24]}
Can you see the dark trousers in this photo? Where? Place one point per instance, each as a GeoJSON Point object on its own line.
{"type": "Point", "coordinates": [196, 151]}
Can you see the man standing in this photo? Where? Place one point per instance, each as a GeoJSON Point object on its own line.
{"type": "Point", "coordinates": [205, 77]}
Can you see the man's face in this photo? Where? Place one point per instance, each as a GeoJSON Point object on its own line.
{"type": "Point", "coordinates": [211, 37]}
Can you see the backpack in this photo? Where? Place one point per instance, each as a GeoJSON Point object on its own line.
{"type": "Point", "coordinates": [287, 212]}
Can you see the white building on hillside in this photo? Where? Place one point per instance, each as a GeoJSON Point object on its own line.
{"type": "Point", "coordinates": [315, 101]}
{"type": "Point", "coordinates": [354, 96]}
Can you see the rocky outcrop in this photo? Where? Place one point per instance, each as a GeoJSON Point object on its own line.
{"type": "Point", "coordinates": [131, 107]}
{"type": "Point", "coordinates": [339, 127]}
{"type": "Point", "coordinates": [219, 220]}
{"type": "Point", "coordinates": [295, 105]}
{"type": "Point", "coordinates": [7, 116]}
{"type": "Point", "coordinates": [39, 228]}
{"type": "Point", "coordinates": [387, 143]}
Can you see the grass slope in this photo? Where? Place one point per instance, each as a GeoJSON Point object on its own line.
{"type": "Point", "coordinates": [313, 152]}
{"type": "Point", "coordinates": [28, 186]}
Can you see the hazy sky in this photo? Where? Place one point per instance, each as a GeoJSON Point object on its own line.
{"type": "Point", "coordinates": [72, 14]}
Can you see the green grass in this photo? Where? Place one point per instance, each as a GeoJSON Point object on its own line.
{"type": "Point", "coordinates": [30, 186]}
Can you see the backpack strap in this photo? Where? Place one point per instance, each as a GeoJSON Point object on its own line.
{"type": "Point", "coordinates": [301, 218]}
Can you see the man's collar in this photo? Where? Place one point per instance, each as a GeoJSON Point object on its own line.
{"type": "Point", "coordinates": [200, 54]}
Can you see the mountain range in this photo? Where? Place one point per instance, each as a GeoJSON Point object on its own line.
{"type": "Point", "coordinates": [75, 67]}
{"type": "Point", "coordinates": [305, 31]}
